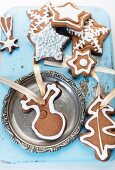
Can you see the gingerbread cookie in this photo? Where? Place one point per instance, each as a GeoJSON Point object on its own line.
{"type": "Point", "coordinates": [49, 123]}
{"type": "Point", "coordinates": [48, 44]}
{"type": "Point", "coordinates": [68, 15]}
{"type": "Point", "coordinates": [101, 130]}
{"type": "Point", "coordinates": [10, 43]}
{"type": "Point", "coordinates": [91, 37]}
{"type": "Point", "coordinates": [81, 63]}
{"type": "Point", "coordinates": [39, 18]}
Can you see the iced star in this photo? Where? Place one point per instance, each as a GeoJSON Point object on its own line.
{"type": "Point", "coordinates": [92, 37]}
{"type": "Point", "coordinates": [69, 15]}
{"type": "Point", "coordinates": [9, 44]}
{"type": "Point", "coordinates": [48, 44]}
{"type": "Point", "coordinates": [81, 63]}
{"type": "Point", "coordinates": [65, 13]}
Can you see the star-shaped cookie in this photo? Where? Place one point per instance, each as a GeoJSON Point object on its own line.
{"type": "Point", "coordinates": [91, 37]}
{"type": "Point", "coordinates": [68, 15]}
{"type": "Point", "coordinates": [48, 44]}
{"type": "Point", "coordinates": [8, 44]}
{"type": "Point", "coordinates": [81, 63]}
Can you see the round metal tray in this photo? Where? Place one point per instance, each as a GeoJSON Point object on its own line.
{"type": "Point", "coordinates": [71, 104]}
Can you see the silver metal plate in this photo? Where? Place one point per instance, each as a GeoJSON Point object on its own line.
{"type": "Point", "coordinates": [71, 104]}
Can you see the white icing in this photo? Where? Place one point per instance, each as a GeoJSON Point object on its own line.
{"type": "Point", "coordinates": [83, 62]}
{"type": "Point", "coordinates": [48, 44]}
{"type": "Point", "coordinates": [103, 154]}
{"type": "Point", "coordinates": [90, 35]}
{"type": "Point", "coordinates": [24, 103]}
{"type": "Point", "coordinates": [68, 12]}
{"type": "Point", "coordinates": [67, 22]}
{"type": "Point", "coordinates": [71, 62]}
{"type": "Point", "coordinates": [8, 43]}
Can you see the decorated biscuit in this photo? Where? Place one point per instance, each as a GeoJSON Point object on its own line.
{"type": "Point", "coordinates": [49, 123]}
{"type": "Point", "coordinates": [10, 43]}
{"type": "Point", "coordinates": [39, 18]}
{"type": "Point", "coordinates": [91, 37]}
{"type": "Point", "coordinates": [101, 130]}
{"type": "Point", "coordinates": [68, 15]}
{"type": "Point", "coordinates": [81, 63]}
{"type": "Point", "coordinates": [49, 44]}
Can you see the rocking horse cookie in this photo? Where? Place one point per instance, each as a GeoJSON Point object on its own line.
{"type": "Point", "coordinates": [48, 124]}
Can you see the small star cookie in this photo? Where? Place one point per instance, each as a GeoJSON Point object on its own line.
{"type": "Point", "coordinates": [91, 37]}
{"type": "Point", "coordinates": [81, 63]}
{"type": "Point", "coordinates": [10, 43]}
{"type": "Point", "coordinates": [68, 15]}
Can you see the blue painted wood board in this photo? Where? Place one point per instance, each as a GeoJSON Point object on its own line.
{"type": "Point", "coordinates": [19, 63]}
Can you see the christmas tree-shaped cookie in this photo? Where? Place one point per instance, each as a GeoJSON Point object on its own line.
{"type": "Point", "coordinates": [101, 130]}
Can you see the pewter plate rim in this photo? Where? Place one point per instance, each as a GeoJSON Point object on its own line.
{"type": "Point", "coordinates": [38, 149]}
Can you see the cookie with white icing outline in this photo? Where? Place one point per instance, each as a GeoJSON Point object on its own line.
{"type": "Point", "coordinates": [91, 37]}
{"type": "Point", "coordinates": [10, 43]}
{"type": "Point", "coordinates": [49, 124]}
{"type": "Point", "coordinates": [101, 129]}
{"type": "Point", "coordinates": [68, 15]}
{"type": "Point", "coordinates": [81, 63]}
{"type": "Point", "coordinates": [39, 18]}
{"type": "Point", "coordinates": [49, 44]}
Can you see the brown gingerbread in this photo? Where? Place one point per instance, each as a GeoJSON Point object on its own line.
{"type": "Point", "coordinates": [68, 15]}
{"type": "Point", "coordinates": [81, 63]}
{"type": "Point", "coordinates": [10, 43]}
{"type": "Point", "coordinates": [48, 124]}
{"type": "Point", "coordinates": [91, 37]}
{"type": "Point", "coordinates": [47, 42]}
{"type": "Point", "coordinates": [39, 18]}
{"type": "Point", "coordinates": [101, 129]}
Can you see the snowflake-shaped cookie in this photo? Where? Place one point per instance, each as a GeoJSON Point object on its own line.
{"type": "Point", "coordinates": [39, 18]}
{"type": "Point", "coordinates": [68, 15]}
{"type": "Point", "coordinates": [48, 44]}
{"type": "Point", "coordinates": [92, 37]}
{"type": "Point", "coordinates": [81, 63]}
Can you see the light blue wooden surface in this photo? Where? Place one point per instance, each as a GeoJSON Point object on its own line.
{"type": "Point", "coordinates": [20, 63]}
